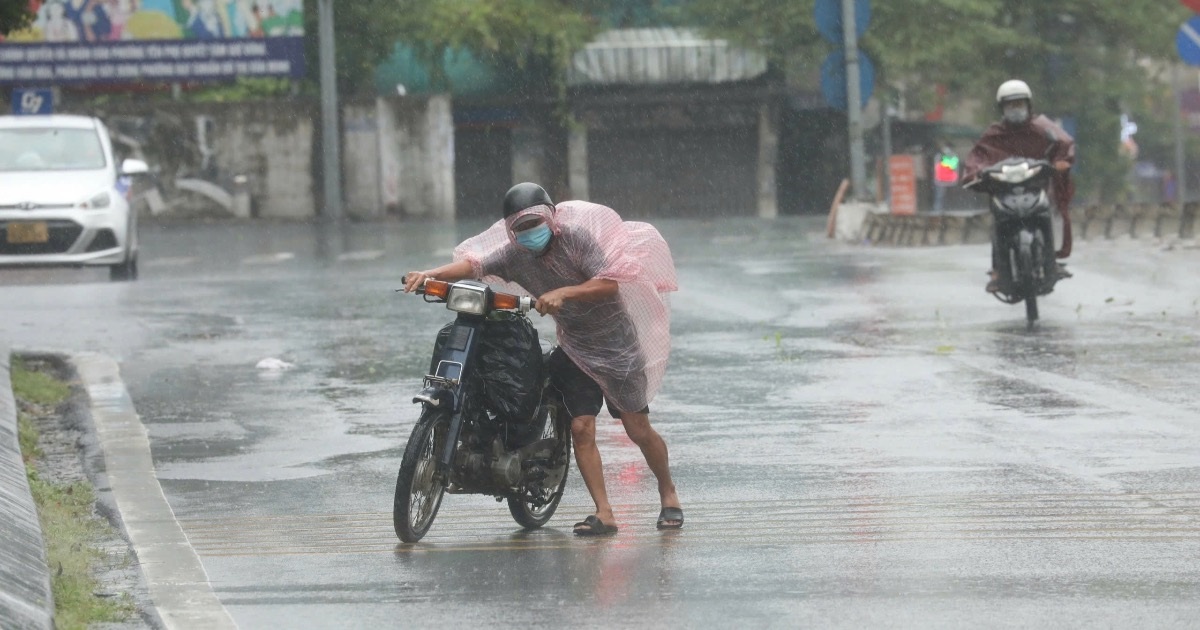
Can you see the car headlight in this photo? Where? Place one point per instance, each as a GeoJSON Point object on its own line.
{"type": "Point", "coordinates": [102, 200]}
{"type": "Point", "coordinates": [467, 299]}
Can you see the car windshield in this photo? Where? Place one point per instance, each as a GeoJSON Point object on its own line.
{"type": "Point", "coordinates": [50, 149]}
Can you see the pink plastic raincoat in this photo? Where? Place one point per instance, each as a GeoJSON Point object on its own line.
{"type": "Point", "coordinates": [622, 342]}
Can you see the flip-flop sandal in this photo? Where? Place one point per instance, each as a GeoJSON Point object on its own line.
{"type": "Point", "coordinates": [595, 527]}
{"type": "Point", "coordinates": [670, 514]}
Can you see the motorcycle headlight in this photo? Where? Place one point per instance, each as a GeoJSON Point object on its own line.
{"type": "Point", "coordinates": [1017, 174]}
{"type": "Point", "coordinates": [467, 299]}
{"type": "Point", "coordinates": [101, 200]}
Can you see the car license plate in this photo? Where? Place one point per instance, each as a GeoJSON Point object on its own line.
{"type": "Point", "coordinates": [25, 233]}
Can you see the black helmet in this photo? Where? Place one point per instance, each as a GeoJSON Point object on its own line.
{"type": "Point", "coordinates": [525, 195]}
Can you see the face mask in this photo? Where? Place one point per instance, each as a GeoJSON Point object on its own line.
{"type": "Point", "coordinates": [1016, 115]}
{"type": "Point", "coordinates": [535, 239]}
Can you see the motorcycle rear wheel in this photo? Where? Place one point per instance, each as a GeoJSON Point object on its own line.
{"type": "Point", "coordinates": [418, 494]}
{"type": "Point", "coordinates": [522, 510]}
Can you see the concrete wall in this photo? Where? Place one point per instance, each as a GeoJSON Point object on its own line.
{"type": "Point", "coordinates": [25, 599]}
{"type": "Point", "coordinates": [361, 160]}
{"type": "Point", "coordinates": [410, 168]}
{"type": "Point", "coordinates": [398, 154]}
{"type": "Point", "coordinates": [768, 152]}
{"type": "Point", "coordinates": [271, 144]}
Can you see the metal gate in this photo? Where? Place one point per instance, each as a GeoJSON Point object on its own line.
{"type": "Point", "coordinates": [482, 170]}
{"type": "Point", "coordinates": [652, 173]}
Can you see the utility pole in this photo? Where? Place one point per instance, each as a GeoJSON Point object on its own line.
{"type": "Point", "coordinates": [331, 161]}
{"type": "Point", "coordinates": [1180, 165]}
{"type": "Point", "coordinates": [858, 175]}
{"type": "Point", "coordinates": [888, 113]}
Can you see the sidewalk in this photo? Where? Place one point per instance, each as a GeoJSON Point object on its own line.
{"type": "Point", "coordinates": [171, 588]}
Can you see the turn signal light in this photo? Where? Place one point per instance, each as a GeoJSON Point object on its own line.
{"type": "Point", "coordinates": [437, 288]}
{"type": "Point", "coordinates": [505, 301]}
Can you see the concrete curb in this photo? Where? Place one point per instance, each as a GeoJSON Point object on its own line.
{"type": "Point", "coordinates": [175, 577]}
{"type": "Point", "coordinates": [25, 597]}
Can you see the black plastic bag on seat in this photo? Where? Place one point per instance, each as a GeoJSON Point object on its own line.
{"type": "Point", "coordinates": [510, 367]}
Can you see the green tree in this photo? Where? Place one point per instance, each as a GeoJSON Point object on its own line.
{"type": "Point", "coordinates": [364, 32]}
{"type": "Point", "coordinates": [14, 16]}
{"type": "Point", "coordinates": [1087, 59]}
{"type": "Point", "coordinates": [536, 37]}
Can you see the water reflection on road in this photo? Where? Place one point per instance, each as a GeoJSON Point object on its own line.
{"type": "Point", "coordinates": [860, 436]}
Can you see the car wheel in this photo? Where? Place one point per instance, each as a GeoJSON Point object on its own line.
{"type": "Point", "coordinates": [126, 271]}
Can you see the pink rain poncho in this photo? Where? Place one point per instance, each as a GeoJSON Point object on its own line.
{"type": "Point", "coordinates": [621, 342]}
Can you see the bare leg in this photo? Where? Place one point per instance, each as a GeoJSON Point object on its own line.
{"type": "Point", "coordinates": [654, 449]}
{"type": "Point", "coordinates": [587, 457]}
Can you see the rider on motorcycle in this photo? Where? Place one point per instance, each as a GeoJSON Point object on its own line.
{"type": "Point", "coordinates": [1020, 133]}
{"type": "Point", "coordinates": [604, 281]}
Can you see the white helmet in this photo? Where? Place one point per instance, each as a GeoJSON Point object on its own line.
{"type": "Point", "coordinates": [1013, 90]}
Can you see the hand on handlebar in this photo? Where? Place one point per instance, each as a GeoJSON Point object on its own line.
{"type": "Point", "coordinates": [413, 280]}
{"type": "Point", "coordinates": [1062, 166]}
{"type": "Point", "coordinates": [549, 303]}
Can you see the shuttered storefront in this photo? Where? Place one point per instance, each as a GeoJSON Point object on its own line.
{"type": "Point", "coordinates": [482, 170]}
{"type": "Point", "coordinates": [674, 172]}
{"type": "Point", "coordinates": [672, 122]}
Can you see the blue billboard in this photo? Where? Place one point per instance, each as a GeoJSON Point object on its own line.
{"type": "Point", "coordinates": [129, 41]}
{"type": "Point", "coordinates": [36, 102]}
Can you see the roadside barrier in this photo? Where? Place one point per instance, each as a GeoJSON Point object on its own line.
{"type": "Point", "coordinates": [25, 598]}
{"type": "Point", "coordinates": [1089, 223]}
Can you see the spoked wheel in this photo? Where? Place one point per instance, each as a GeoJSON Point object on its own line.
{"type": "Point", "coordinates": [418, 494]}
{"type": "Point", "coordinates": [539, 500]}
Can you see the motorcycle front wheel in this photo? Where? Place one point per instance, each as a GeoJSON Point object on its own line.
{"type": "Point", "coordinates": [1028, 279]}
{"type": "Point", "coordinates": [418, 494]}
{"type": "Point", "coordinates": [523, 508]}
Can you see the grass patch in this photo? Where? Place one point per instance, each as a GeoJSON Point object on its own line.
{"type": "Point", "coordinates": [28, 436]}
{"type": "Point", "coordinates": [70, 527]}
{"type": "Point", "coordinates": [70, 530]}
{"type": "Point", "coordinates": [36, 387]}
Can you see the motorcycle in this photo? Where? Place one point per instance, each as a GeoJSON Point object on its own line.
{"type": "Point", "coordinates": [489, 422]}
{"type": "Point", "coordinates": [1021, 210]}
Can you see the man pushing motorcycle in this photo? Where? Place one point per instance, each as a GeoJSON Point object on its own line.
{"type": "Point", "coordinates": [604, 281]}
{"type": "Point", "coordinates": [1020, 133]}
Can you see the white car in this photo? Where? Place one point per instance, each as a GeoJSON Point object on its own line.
{"type": "Point", "coordinates": [63, 199]}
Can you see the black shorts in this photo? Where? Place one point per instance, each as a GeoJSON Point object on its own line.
{"type": "Point", "coordinates": [580, 394]}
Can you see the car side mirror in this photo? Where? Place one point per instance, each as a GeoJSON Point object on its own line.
{"type": "Point", "coordinates": [134, 167]}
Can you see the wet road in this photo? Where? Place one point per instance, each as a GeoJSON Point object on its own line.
{"type": "Point", "coordinates": [860, 436]}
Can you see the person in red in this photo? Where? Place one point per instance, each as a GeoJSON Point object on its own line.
{"type": "Point", "coordinates": [1019, 133]}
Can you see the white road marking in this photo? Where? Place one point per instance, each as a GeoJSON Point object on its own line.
{"type": "Point", "coordinates": [269, 259]}
{"type": "Point", "coordinates": [177, 261]}
{"type": "Point", "coordinates": [364, 255]}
